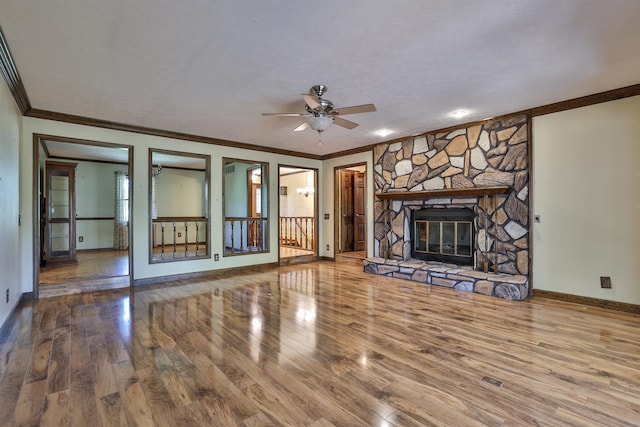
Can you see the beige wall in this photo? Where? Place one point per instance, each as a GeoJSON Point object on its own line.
{"type": "Point", "coordinates": [586, 188]}
{"type": "Point", "coordinates": [10, 121]}
{"type": "Point", "coordinates": [294, 204]}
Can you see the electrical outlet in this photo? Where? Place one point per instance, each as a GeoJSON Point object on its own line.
{"type": "Point", "coordinates": [179, 234]}
{"type": "Point", "coordinates": [605, 282]}
{"type": "Point", "coordinates": [328, 247]}
{"type": "Point", "coordinates": [326, 216]}
{"type": "Point", "coordinates": [216, 257]}
{"type": "Point", "coordinates": [7, 296]}
{"type": "Point", "coordinates": [81, 239]}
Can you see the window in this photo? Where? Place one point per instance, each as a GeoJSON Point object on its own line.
{"type": "Point", "coordinates": [121, 214]}
{"type": "Point", "coordinates": [122, 197]}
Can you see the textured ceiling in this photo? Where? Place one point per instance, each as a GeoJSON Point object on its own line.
{"type": "Point", "coordinates": [211, 68]}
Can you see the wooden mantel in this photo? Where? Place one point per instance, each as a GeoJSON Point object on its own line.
{"type": "Point", "coordinates": [447, 192]}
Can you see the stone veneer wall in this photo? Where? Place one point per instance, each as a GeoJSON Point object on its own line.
{"type": "Point", "coordinates": [494, 153]}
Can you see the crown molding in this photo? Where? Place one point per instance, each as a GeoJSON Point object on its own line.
{"type": "Point", "coordinates": [12, 77]}
{"type": "Point", "coordinates": [584, 101]}
{"type": "Point", "coordinates": [86, 121]}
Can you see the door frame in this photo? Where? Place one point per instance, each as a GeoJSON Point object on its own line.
{"type": "Point", "coordinates": [316, 208]}
{"type": "Point", "coordinates": [337, 205]}
{"type": "Point", "coordinates": [38, 138]}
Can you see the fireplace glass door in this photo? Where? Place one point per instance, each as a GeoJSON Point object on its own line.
{"type": "Point", "coordinates": [443, 238]}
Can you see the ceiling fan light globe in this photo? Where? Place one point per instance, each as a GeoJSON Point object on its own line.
{"type": "Point", "coordinates": [320, 123]}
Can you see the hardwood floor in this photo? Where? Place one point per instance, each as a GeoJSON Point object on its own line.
{"type": "Point", "coordinates": [316, 344]}
{"type": "Point", "coordinates": [287, 252]}
{"type": "Point", "coordinates": [360, 255]}
{"type": "Point", "coordinates": [95, 270]}
{"type": "Point", "coordinates": [91, 265]}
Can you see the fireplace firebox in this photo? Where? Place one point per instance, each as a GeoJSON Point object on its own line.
{"type": "Point", "coordinates": [443, 234]}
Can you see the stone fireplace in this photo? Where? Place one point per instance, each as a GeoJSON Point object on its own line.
{"type": "Point", "coordinates": [481, 171]}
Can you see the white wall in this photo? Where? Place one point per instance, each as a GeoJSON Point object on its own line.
{"type": "Point", "coordinates": [586, 187]}
{"type": "Point", "coordinates": [95, 197]}
{"type": "Point", "coordinates": [10, 120]}
{"type": "Point", "coordinates": [141, 144]}
{"type": "Point", "coordinates": [294, 204]}
{"type": "Point", "coordinates": [181, 193]}
{"type": "Point", "coordinates": [327, 200]}
{"type": "Point", "coordinates": [236, 197]}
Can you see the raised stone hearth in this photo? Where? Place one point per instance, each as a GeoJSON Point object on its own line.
{"type": "Point", "coordinates": [508, 286]}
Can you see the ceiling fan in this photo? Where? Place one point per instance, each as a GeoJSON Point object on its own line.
{"type": "Point", "coordinates": [321, 114]}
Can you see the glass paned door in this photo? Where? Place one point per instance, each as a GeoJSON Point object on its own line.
{"type": "Point", "coordinates": [60, 213]}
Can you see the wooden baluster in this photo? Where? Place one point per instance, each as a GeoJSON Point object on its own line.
{"type": "Point", "coordinates": [254, 233]}
{"type": "Point", "coordinates": [306, 233]}
{"type": "Point", "coordinates": [232, 243]}
{"type": "Point", "coordinates": [186, 238]}
{"type": "Point", "coordinates": [197, 239]}
{"type": "Point", "coordinates": [174, 239]}
{"type": "Point", "coordinates": [162, 241]}
{"type": "Point", "coordinates": [254, 236]}
{"type": "Point", "coordinates": [251, 231]}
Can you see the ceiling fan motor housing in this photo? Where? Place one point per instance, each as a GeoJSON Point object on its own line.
{"type": "Point", "coordinates": [324, 109]}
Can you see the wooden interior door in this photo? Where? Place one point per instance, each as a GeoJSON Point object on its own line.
{"type": "Point", "coordinates": [347, 205]}
{"type": "Point", "coordinates": [359, 211]}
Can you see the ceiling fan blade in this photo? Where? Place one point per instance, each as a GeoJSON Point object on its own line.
{"type": "Point", "coordinates": [344, 123]}
{"type": "Point", "coordinates": [286, 114]}
{"type": "Point", "coordinates": [366, 108]}
{"type": "Point", "coordinates": [303, 126]}
{"type": "Point", "coordinates": [312, 101]}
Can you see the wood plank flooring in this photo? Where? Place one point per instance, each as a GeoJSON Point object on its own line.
{"type": "Point", "coordinates": [288, 251]}
{"type": "Point", "coordinates": [319, 344]}
{"type": "Point", "coordinates": [96, 270]}
{"type": "Point", "coordinates": [97, 264]}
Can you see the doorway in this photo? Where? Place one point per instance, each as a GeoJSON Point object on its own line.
{"type": "Point", "coordinates": [298, 214]}
{"type": "Point", "coordinates": [95, 216]}
{"type": "Point", "coordinates": [351, 216]}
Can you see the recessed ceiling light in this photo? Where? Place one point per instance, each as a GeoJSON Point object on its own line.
{"type": "Point", "coordinates": [383, 132]}
{"type": "Point", "coordinates": [459, 113]}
